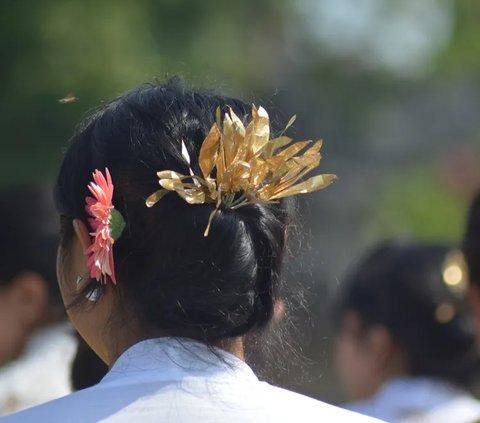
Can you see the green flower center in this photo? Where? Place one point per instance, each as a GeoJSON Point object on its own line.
{"type": "Point", "coordinates": [117, 224]}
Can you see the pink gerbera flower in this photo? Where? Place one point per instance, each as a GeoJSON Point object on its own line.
{"type": "Point", "coordinates": [107, 224]}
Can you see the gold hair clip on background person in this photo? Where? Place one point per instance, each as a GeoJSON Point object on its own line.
{"type": "Point", "coordinates": [249, 166]}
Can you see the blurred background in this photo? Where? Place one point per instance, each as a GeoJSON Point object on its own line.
{"type": "Point", "coordinates": [393, 87]}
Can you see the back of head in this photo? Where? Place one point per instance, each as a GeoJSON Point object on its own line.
{"type": "Point", "coordinates": [173, 277]}
{"type": "Point", "coordinates": [417, 292]}
{"type": "Point", "coordinates": [29, 228]}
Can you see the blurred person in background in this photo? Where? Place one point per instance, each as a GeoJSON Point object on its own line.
{"type": "Point", "coordinates": [471, 249]}
{"type": "Point", "coordinates": [405, 347]}
{"type": "Point", "coordinates": [36, 342]}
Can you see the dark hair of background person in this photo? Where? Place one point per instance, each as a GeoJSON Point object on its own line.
{"type": "Point", "coordinates": [173, 277]}
{"type": "Point", "coordinates": [471, 241]}
{"type": "Point", "coordinates": [400, 285]}
{"type": "Point", "coordinates": [87, 368]}
{"type": "Point", "coordinates": [29, 236]}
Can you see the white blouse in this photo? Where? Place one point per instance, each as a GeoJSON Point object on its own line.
{"type": "Point", "coordinates": [171, 380]}
{"type": "Point", "coordinates": [420, 400]}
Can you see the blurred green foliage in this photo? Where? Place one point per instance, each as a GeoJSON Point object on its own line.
{"type": "Point", "coordinates": [415, 203]}
{"type": "Point", "coordinates": [95, 50]}
{"type": "Point", "coordinates": [463, 52]}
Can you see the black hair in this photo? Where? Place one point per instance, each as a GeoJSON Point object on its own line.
{"type": "Point", "coordinates": [471, 241]}
{"type": "Point", "coordinates": [171, 275]}
{"type": "Point", "coordinates": [87, 368]}
{"type": "Point", "coordinates": [401, 286]}
{"type": "Point", "coordinates": [29, 236]}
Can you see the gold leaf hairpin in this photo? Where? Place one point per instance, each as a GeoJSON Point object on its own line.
{"type": "Point", "coordinates": [455, 278]}
{"type": "Point", "coordinates": [242, 165]}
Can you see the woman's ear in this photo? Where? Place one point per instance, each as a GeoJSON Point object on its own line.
{"type": "Point", "coordinates": [80, 245]}
{"type": "Point", "coordinates": [81, 233]}
{"type": "Point", "coordinates": [389, 357]}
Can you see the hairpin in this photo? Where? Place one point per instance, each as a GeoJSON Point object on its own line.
{"type": "Point", "coordinates": [107, 224]}
{"type": "Point", "coordinates": [454, 276]}
{"type": "Point", "coordinates": [242, 165]}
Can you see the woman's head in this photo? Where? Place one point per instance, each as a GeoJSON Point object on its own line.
{"type": "Point", "coordinates": [29, 295]}
{"type": "Point", "coordinates": [171, 279]}
{"type": "Point", "coordinates": [403, 311]}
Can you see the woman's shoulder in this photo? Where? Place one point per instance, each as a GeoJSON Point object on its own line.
{"type": "Point", "coordinates": [98, 404]}
{"type": "Point", "coordinates": [75, 407]}
{"type": "Point", "coordinates": [288, 403]}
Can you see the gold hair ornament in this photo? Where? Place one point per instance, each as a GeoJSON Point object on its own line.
{"type": "Point", "coordinates": [454, 275]}
{"type": "Point", "coordinates": [249, 166]}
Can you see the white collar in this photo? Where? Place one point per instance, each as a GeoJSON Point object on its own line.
{"type": "Point", "coordinates": [170, 358]}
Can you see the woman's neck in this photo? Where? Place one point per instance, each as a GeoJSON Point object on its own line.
{"type": "Point", "coordinates": [234, 346]}
{"type": "Point", "coordinates": [130, 335]}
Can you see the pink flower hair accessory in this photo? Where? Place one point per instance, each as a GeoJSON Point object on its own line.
{"type": "Point", "coordinates": [107, 224]}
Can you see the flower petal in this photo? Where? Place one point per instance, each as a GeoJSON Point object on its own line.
{"type": "Point", "coordinates": [103, 215]}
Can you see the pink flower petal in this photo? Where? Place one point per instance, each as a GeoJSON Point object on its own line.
{"type": "Point", "coordinates": [100, 252]}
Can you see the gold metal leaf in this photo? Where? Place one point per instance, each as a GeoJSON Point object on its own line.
{"type": "Point", "coordinates": [240, 175]}
{"type": "Point", "coordinates": [275, 144]}
{"type": "Point", "coordinates": [232, 138]}
{"type": "Point", "coordinates": [290, 123]}
{"type": "Point", "coordinates": [249, 166]}
{"type": "Point", "coordinates": [192, 196]}
{"type": "Point", "coordinates": [315, 183]}
{"type": "Point", "coordinates": [209, 151]}
{"type": "Point", "coordinates": [170, 174]}
{"type": "Point", "coordinates": [155, 197]}
{"type": "Point", "coordinates": [258, 130]}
